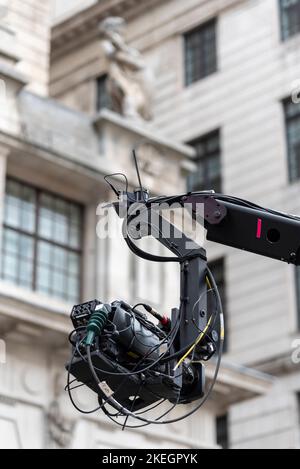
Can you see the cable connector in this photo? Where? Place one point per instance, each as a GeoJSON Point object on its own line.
{"type": "Point", "coordinates": [164, 320]}
{"type": "Point", "coordinates": [96, 323]}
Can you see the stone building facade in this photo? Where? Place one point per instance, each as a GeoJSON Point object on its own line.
{"type": "Point", "coordinates": [57, 141]}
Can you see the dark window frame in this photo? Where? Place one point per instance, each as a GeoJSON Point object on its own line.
{"type": "Point", "coordinates": [204, 160]}
{"type": "Point", "coordinates": [291, 119]}
{"type": "Point", "coordinates": [297, 288]}
{"type": "Point", "coordinates": [37, 238]}
{"type": "Point", "coordinates": [103, 100]}
{"type": "Point", "coordinates": [289, 30]}
{"type": "Point", "coordinates": [216, 266]}
{"type": "Point", "coordinates": [199, 64]}
{"type": "Point", "coordinates": [298, 405]}
{"type": "Point", "coordinates": [222, 431]}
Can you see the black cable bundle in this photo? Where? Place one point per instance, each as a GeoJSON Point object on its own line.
{"type": "Point", "coordinates": [108, 399]}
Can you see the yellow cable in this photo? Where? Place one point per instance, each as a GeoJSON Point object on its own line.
{"type": "Point", "coordinates": [208, 283]}
{"type": "Point", "coordinates": [200, 337]}
{"type": "Point", "coordinates": [198, 340]}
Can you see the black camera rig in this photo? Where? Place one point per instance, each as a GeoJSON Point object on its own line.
{"type": "Point", "coordinates": [134, 364]}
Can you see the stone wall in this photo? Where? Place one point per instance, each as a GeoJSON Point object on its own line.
{"type": "Point", "coordinates": [31, 20]}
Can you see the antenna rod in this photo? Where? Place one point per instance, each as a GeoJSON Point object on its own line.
{"type": "Point", "coordinates": [138, 172]}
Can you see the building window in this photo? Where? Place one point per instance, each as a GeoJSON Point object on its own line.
{"type": "Point", "coordinates": [222, 429]}
{"type": "Point", "coordinates": [298, 295]}
{"type": "Point", "coordinates": [298, 406]}
{"type": "Point", "coordinates": [292, 118]}
{"type": "Point", "coordinates": [200, 47]}
{"type": "Point", "coordinates": [218, 270]}
{"type": "Point", "coordinates": [208, 161]}
{"type": "Point", "coordinates": [103, 98]}
{"type": "Point", "coordinates": [41, 242]}
{"type": "Point", "coordinates": [290, 18]}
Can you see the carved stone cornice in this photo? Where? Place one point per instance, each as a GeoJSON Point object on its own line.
{"type": "Point", "coordinates": [237, 383]}
{"type": "Point", "coordinates": [279, 366]}
{"type": "Point", "coordinates": [83, 26]}
{"type": "Point", "coordinates": [143, 131]}
{"type": "Point", "coordinates": [13, 76]}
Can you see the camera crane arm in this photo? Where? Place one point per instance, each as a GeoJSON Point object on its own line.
{"type": "Point", "coordinates": [229, 221]}
{"type": "Point", "coordinates": [234, 222]}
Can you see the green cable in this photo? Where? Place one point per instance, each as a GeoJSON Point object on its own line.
{"type": "Point", "coordinates": [96, 323]}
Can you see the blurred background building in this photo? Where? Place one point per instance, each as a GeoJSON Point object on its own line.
{"type": "Point", "coordinates": [217, 114]}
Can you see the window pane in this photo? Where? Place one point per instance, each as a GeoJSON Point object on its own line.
{"type": "Point", "coordinates": [62, 222]}
{"type": "Point", "coordinates": [196, 180]}
{"type": "Point", "coordinates": [20, 206]}
{"type": "Point", "coordinates": [17, 257]}
{"type": "Point", "coordinates": [25, 273]}
{"type": "Point", "coordinates": [103, 97]}
{"type": "Point", "coordinates": [213, 167]}
{"type": "Point", "coordinates": [200, 52]}
{"type": "Point", "coordinates": [11, 241]}
{"type": "Point", "coordinates": [12, 213]}
{"type": "Point", "coordinates": [75, 240]}
{"type": "Point", "coordinates": [75, 227]}
{"type": "Point", "coordinates": [59, 283]}
{"type": "Point", "coordinates": [28, 209]}
{"type": "Point", "coordinates": [60, 258]}
{"type": "Point", "coordinates": [58, 272]}
{"type": "Point", "coordinates": [218, 270]}
{"type": "Point", "coordinates": [75, 214]}
{"type": "Point", "coordinates": [290, 18]}
{"type": "Point", "coordinates": [212, 143]}
{"type": "Point", "coordinates": [26, 247]}
{"type": "Point", "coordinates": [74, 264]}
{"type": "Point", "coordinates": [45, 222]}
{"type": "Point", "coordinates": [44, 253]}
{"type": "Point", "coordinates": [52, 246]}
{"type": "Point", "coordinates": [44, 279]}
{"type": "Point", "coordinates": [208, 160]}
{"type": "Point", "coordinates": [28, 220]}
{"type": "Point", "coordinates": [45, 227]}
{"type": "Point", "coordinates": [13, 190]}
{"type": "Point", "coordinates": [223, 431]}
{"type": "Point", "coordinates": [10, 267]}
{"type": "Point", "coordinates": [292, 115]}
{"type": "Point", "coordinates": [60, 232]}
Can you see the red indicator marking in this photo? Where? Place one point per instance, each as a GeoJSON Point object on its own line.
{"type": "Point", "coordinates": [259, 228]}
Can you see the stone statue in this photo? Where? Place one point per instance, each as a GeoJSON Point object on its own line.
{"type": "Point", "coordinates": [61, 417]}
{"type": "Point", "coordinates": [129, 82]}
